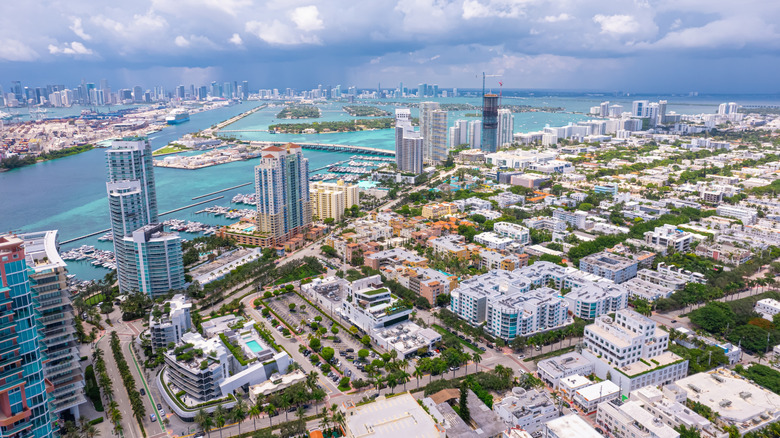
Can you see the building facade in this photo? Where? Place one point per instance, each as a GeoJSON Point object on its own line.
{"type": "Point", "coordinates": [171, 323]}
{"type": "Point", "coordinates": [282, 188]}
{"type": "Point", "coordinates": [329, 200]}
{"type": "Point", "coordinates": [408, 143]}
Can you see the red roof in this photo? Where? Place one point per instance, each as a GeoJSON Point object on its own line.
{"type": "Point", "coordinates": [293, 145]}
{"type": "Point", "coordinates": [273, 149]}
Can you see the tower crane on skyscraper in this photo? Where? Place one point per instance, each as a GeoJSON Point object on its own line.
{"type": "Point", "coordinates": [487, 76]}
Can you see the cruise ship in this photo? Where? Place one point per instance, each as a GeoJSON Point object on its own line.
{"type": "Point", "coordinates": [177, 116]}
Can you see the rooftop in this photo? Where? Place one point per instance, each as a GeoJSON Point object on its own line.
{"type": "Point", "coordinates": [572, 426]}
{"type": "Point", "coordinates": [395, 417]}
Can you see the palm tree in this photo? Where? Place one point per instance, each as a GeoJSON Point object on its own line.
{"type": "Point", "coordinates": [311, 379]}
{"type": "Point", "coordinates": [284, 403]}
{"type": "Point", "coordinates": [238, 413]}
{"type": "Point", "coordinates": [339, 419]}
{"type": "Point", "coordinates": [219, 418]}
{"type": "Point", "coordinates": [404, 376]}
{"type": "Point", "coordinates": [254, 412]}
{"type": "Point", "coordinates": [318, 395]}
{"type": "Point", "coordinates": [418, 373]}
{"type": "Point", "coordinates": [477, 358]}
{"type": "Point", "coordinates": [325, 421]}
{"type": "Point", "coordinates": [392, 382]}
{"type": "Point", "coordinates": [204, 421]}
{"type": "Point", "coordinates": [271, 410]}
{"type": "Point", "coordinates": [92, 432]}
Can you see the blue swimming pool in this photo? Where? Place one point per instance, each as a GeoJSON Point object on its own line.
{"type": "Point", "coordinates": [254, 346]}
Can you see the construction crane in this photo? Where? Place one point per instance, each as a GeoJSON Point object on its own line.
{"type": "Point", "coordinates": [483, 80]}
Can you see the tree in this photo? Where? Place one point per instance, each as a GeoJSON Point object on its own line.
{"type": "Point", "coordinates": [271, 410]}
{"type": "Point", "coordinates": [327, 353]}
{"type": "Point", "coordinates": [254, 412]}
{"type": "Point", "coordinates": [292, 307]}
{"type": "Point", "coordinates": [315, 344]}
{"type": "Point", "coordinates": [585, 206]}
{"type": "Point", "coordinates": [477, 358]}
{"type": "Point", "coordinates": [238, 413]}
{"type": "Point", "coordinates": [714, 317]}
{"type": "Point", "coordinates": [363, 353]}
{"type": "Point", "coordinates": [366, 340]}
{"type": "Point", "coordinates": [219, 419]}
{"type": "Point", "coordinates": [463, 403]}
{"type": "Point", "coordinates": [334, 329]}
{"type": "Point", "coordinates": [443, 300]}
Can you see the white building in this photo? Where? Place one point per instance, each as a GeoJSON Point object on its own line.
{"type": "Point", "coordinates": [632, 350]}
{"type": "Point", "coordinates": [370, 307]}
{"type": "Point", "coordinates": [554, 369]}
{"type": "Point", "coordinates": [551, 224]}
{"type": "Point", "coordinates": [569, 426]}
{"type": "Point", "coordinates": [589, 397]}
{"type": "Point", "coordinates": [506, 126]}
{"type": "Point", "coordinates": [767, 308]}
{"type": "Point", "coordinates": [517, 232]}
{"type": "Point", "coordinates": [493, 240]}
{"type": "Point", "coordinates": [173, 322]}
{"type": "Point", "coordinates": [670, 237]}
{"type": "Point", "coordinates": [407, 339]}
{"type": "Point", "coordinates": [748, 216]}
{"type": "Point", "coordinates": [529, 410]}
{"type": "Point", "coordinates": [576, 219]}
{"type": "Point", "coordinates": [408, 143]}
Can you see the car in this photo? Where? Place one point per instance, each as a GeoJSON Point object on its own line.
{"type": "Point", "coordinates": [350, 357]}
{"type": "Point", "coordinates": [152, 417]}
{"type": "Point", "coordinates": [538, 348]}
{"type": "Point", "coordinates": [454, 368]}
{"type": "Point", "coordinates": [142, 391]}
{"type": "Point", "coordinates": [159, 407]}
{"type": "Point", "coordinates": [342, 353]}
{"type": "Point", "coordinates": [674, 321]}
{"type": "Point", "coordinates": [483, 348]}
{"type": "Point", "coordinates": [162, 412]}
{"type": "Point", "coordinates": [520, 356]}
{"type": "Point", "coordinates": [350, 350]}
{"type": "Point", "coordinates": [200, 435]}
{"type": "Point", "coordinates": [462, 337]}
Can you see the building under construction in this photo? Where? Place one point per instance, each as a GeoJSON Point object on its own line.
{"type": "Point", "coordinates": [489, 122]}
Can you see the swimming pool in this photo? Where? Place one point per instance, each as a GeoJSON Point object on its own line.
{"type": "Point", "coordinates": [254, 346]}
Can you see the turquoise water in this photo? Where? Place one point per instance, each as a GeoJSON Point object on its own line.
{"type": "Point", "coordinates": [68, 194]}
{"type": "Point", "coordinates": [254, 346]}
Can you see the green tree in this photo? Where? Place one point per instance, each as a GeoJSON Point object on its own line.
{"type": "Point", "coordinates": [366, 340]}
{"type": "Point", "coordinates": [463, 404]}
{"type": "Point", "coordinates": [714, 317]}
{"type": "Point", "coordinates": [327, 353]}
{"type": "Point", "coordinates": [363, 353]}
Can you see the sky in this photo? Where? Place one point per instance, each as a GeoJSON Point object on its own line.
{"type": "Point", "coordinates": [674, 46]}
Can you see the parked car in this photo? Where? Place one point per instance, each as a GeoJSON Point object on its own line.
{"type": "Point", "coordinates": [152, 417]}
{"type": "Point", "coordinates": [350, 350]}
{"type": "Point", "coordinates": [142, 391]}
{"type": "Point", "coordinates": [159, 407]}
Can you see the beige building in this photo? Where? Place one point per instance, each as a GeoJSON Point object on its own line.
{"type": "Point", "coordinates": [331, 199]}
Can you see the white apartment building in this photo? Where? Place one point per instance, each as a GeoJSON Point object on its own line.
{"type": "Point", "coordinates": [569, 426]}
{"type": "Point", "coordinates": [589, 397]}
{"type": "Point", "coordinates": [370, 306]}
{"type": "Point", "coordinates": [473, 203]}
{"type": "Point", "coordinates": [576, 219]}
{"type": "Point", "coordinates": [529, 410]}
{"type": "Point", "coordinates": [553, 370]}
{"type": "Point", "coordinates": [331, 199]}
{"type": "Point", "coordinates": [493, 240]}
{"type": "Point", "coordinates": [632, 350]}
{"type": "Point", "coordinates": [506, 302]}
{"type": "Point", "coordinates": [670, 237]}
{"type": "Point", "coordinates": [173, 322]}
{"type": "Point", "coordinates": [517, 232]}
{"type": "Point", "coordinates": [552, 224]}
{"type": "Point", "coordinates": [748, 216]}
{"type": "Point", "coordinates": [611, 266]}
{"type": "Point", "coordinates": [767, 308]}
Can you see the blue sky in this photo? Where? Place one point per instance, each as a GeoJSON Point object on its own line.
{"type": "Point", "coordinates": [715, 46]}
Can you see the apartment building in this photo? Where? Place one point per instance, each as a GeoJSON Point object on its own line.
{"type": "Point", "coordinates": [748, 216]}
{"type": "Point", "coordinates": [169, 321]}
{"type": "Point", "coordinates": [610, 266]}
{"type": "Point", "coordinates": [576, 218]}
{"type": "Point", "coordinates": [670, 237]}
{"type": "Point", "coordinates": [516, 232]}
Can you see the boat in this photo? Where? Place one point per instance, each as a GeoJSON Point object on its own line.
{"type": "Point", "coordinates": [178, 116]}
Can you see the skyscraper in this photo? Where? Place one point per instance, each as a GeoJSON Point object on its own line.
{"type": "Point", "coordinates": [48, 283]}
{"type": "Point", "coordinates": [408, 143]}
{"type": "Point", "coordinates": [24, 402]}
{"type": "Point", "coordinates": [282, 188]}
{"type": "Point", "coordinates": [639, 108]}
{"type": "Point", "coordinates": [426, 128]}
{"type": "Point", "coordinates": [439, 149]}
{"type": "Point", "coordinates": [475, 134]}
{"type": "Point", "coordinates": [138, 93]}
{"type": "Point", "coordinates": [489, 123]}
{"type": "Point", "coordinates": [463, 130]}
{"type": "Point", "coordinates": [506, 127]}
{"type": "Point", "coordinates": [604, 109]}
{"type": "Point", "coordinates": [148, 259]}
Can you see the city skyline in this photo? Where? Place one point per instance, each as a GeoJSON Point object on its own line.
{"type": "Point", "coordinates": [627, 46]}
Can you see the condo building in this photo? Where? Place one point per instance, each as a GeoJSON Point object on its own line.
{"type": "Point", "coordinates": [329, 200]}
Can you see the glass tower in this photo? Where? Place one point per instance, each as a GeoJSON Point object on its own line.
{"type": "Point", "coordinates": [489, 123]}
{"type": "Point", "coordinates": [139, 241]}
{"type": "Point", "coordinates": [24, 402]}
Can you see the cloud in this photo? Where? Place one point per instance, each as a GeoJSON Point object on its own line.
{"type": "Point", "coordinates": [557, 18]}
{"type": "Point", "coordinates": [229, 7]}
{"type": "Point", "coordinates": [278, 33]}
{"type": "Point", "coordinates": [307, 18]}
{"type": "Point", "coordinates": [78, 30]}
{"type": "Point", "coordinates": [181, 41]}
{"type": "Point", "coordinates": [15, 50]}
{"type": "Point", "coordinates": [493, 8]}
{"type": "Point", "coordinates": [617, 24]}
{"type": "Point", "coordinates": [734, 32]}
{"type": "Point", "coordinates": [236, 39]}
{"type": "Point", "coordinates": [75, 48]}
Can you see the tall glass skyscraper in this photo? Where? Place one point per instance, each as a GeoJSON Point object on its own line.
{"type": "Point", "coordinates": [282, 188]}
{"type": "Point", "coordinates": [148, 259]}
{"type": "Point", "coordinates": [489, 123]}
{"type": "Point", "coordinates": [24, 403]}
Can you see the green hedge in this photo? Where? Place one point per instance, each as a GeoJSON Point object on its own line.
{"type": "Point", "coordinates": [97, 420]}
{"type": "Point", "coordinates": [92, 389]}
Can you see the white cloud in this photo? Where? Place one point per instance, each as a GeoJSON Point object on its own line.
{"type": "Point", "coordinates": [181, 41]}
{"type": "Point", "coordinates": [15, 50]}
{"type": "Point", "coordinates": [229, 7]}
{"type": "Point", "coordinates": [278, 33]}
{"type": "Point", "coordinates": [557, 18]}
{"type": "Point", "coordinates": [236, 39]}
{"type": "Point", "coordinates": [307, 18]}
{"type": "Point", "coordinates": [74, 48]}
{"type": "Point", "coordinates": [79, 30]}
{"type": "Point", "coordinates": [493, 8]}
{"type": "Point", "coordinates": [617, 24]}
{"type": "Point", "coordinates": [676, 25]}
{"type": "Point", "coordinates": [733, 32]}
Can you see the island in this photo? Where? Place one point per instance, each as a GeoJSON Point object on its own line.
{"type": "Point", "coordinates": [16, 161]}
{"type": "Point", "coordinates": [299, 112]}
{"type": "Point", "coordinates": [365, 111]}
{"type": "Point", "coordinates": [325, 127]}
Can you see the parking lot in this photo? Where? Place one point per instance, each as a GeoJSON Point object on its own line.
{"type": "Point", "coordinates": [300, 318]}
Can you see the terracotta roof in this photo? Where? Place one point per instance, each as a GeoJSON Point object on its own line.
{"type": "Point", "coordinates": [268, 156]}
{"type": "Point", "coordinates": [273, 149]}
{"type": "Point", "coordinates": [445, 395]}
{"type": "Point", "coordinates": [293, 145]}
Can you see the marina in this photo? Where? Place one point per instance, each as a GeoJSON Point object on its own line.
{"type": "Point", "coordinates": [100, 258]}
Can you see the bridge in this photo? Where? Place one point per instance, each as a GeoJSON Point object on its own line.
{"type": "Point", "coordinates": [324, 146]}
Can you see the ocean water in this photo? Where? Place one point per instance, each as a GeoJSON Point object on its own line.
{"type": "Point", "coordinates": [68, 194]}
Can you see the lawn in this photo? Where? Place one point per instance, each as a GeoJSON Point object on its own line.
{"type": "Point", "coordinates": [304, 271]}
{"type": "Point", "coordinates": [170, 149]}
{"type": "Point", "coordinates": [447, 334]}
{"type": "Point", "coordinates": [94, 300]}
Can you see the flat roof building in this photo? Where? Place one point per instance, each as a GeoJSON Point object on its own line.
{"type": "Point", "coordinates": [569, 426]}
{"type": "Point", "coordinates": [611, 266]}
{"type": "Point", "coordinates": [527, 409]}
{"type": "Point", "coordinates": [552, 370]}
{"type": "Point", "coordinates": [400, 416]}
{"type": "Point", "coordinates": [169, 321]}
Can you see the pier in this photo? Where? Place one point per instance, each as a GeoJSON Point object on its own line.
{"type": "Point", "coordinates": [220, 191]}
{"type": "Point", "coordinates": [161, 214]}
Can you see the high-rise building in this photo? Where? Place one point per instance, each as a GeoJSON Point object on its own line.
{"type": "Point", "coordinates": [180, 92]}
{"type": "Point", "coordinates": [331, 199]}
{"type": "Point", "coordinates": [282, 188]}
{"type": "Point", "coordinates": [463, 130]}
{"type": "Point", "coordinates": [475, 134]}
{"type": "Point", "coordinates": [24, 402]}
{"type": "Point", "coordinates": [426, 128]}
{"type": "Point", "coordinates": [454, 135]}
{"type": "Point", "coordinates": [489, 123]}
{"type": "Point", "coordinates": [245, 89]}
{"type": "Point", "coordinates": [604, 109]}
{"type": "Point", "coordinates": [148, 259]}
{"type": "Point", "coordinates": [439, 148]}
{"type": "Point", "coordinates": [227, 90]}
{"type": "Point", "coordinates": [202, 93]}
{"type": "Point", "coordinates": [48, 283]}
{"type": "Point", "coordinates": [138, 93]}
{"type": "Point", "coordinates": [506, 127]}
{"type": "Point", "coordinates": [639, 108]}
{"type": "Point", "coordinates": [661, 111]}
{"type": "Point", "coordinates": [408, 143]}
